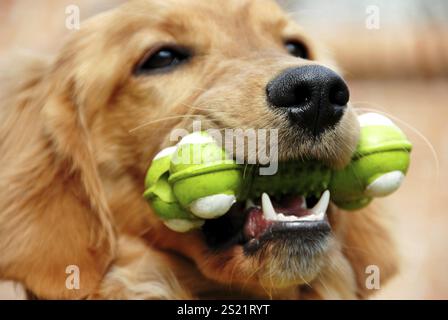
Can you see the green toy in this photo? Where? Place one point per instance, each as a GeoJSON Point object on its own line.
{"type": "Point", "coordinates": [378, 166]}
{"type": "Point", "coordinates": [196, 180]}
{"type": "Point", "coordinates": [184, 190]}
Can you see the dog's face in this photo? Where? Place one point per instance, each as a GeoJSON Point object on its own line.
{"type": "Point", "coordinates": [152, 66]}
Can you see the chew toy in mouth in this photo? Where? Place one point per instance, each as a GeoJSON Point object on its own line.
{"type": "Point", "coordinates": [251, 207]}
{"type": "Point", "coordinates": [251, 222]}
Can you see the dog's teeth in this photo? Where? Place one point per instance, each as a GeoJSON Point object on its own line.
{"type": "Point", "coordinates": [303, 205]}
{"type": "Point", "coordinates": [320, 216]}
{"type": "Point", "coordinates": [267, 207]}
{"type": "Point", "coordinates": [249, 204]}
{"type": "Point", "coordinates": [321, 206]}
{"type": "Point", "coordinates": [317, 213]}
{"type": "Point", "coordinates": [313, 217]}
{"type": "Point", "coordinates": [282, 217]}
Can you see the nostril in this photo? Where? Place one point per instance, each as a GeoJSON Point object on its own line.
{"type": "Point", "coordinates": [339, 94]}
{"type": "Point", "coordinates": [290, 95]}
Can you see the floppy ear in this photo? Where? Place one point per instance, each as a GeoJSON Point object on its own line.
{"type": "Point", "coordinates": [81, 83]}
{"type": "Point", "coordinates": [65, 125]}
{"type": "Point", "coordinates": [55, 224]}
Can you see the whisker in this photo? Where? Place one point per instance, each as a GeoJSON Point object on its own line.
{"type": "Point", "coordinates": [197, 108]}
{"type": "Point", "coordinates": [232, 274]}
{"type": "Point", "coordinates": [161, 120]}
{"type": "Point", "coordinates": [322, 282]}
{"type": "Point", "coordinates": [250, 276]}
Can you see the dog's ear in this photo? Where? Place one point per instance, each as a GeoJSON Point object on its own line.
{"type": "Point", "coordinates": [370, 249]}
{"type": "Point", "coordinates": [59, 228]}
{"type": "Point", "coordinates": [65, 125]}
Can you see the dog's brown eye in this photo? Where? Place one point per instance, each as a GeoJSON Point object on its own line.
{"type": "Point", "coordinates": [165, 58]}
{"type": "Point", "coordinates": [297, 49]}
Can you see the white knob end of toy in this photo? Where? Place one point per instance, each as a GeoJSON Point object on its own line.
{"type": "Point", "coordinates": [183, 225]}
{"type": "Point", "coordinates": [385, 184]}
{"type": "Point", "coordinates": [212, 206]}
{"type": "Point", "coordinates": [165, 152]}
{"type": "Point", "coordinates": [374, 119]}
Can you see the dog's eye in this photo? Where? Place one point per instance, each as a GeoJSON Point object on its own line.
{"type": "Point", "coordinates": [297, 49]}
{"type": "Point", "coordinates": [165, 58]}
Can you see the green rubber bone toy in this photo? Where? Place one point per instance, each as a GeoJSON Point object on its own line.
{"type": "Point", "coordinates": [196, 180]}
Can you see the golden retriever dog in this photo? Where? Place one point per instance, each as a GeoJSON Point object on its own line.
{"type": "Point", "coordinates": [79, 131]}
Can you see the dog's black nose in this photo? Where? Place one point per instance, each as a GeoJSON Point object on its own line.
{"type": "Point", "coordinates": [314, 97]}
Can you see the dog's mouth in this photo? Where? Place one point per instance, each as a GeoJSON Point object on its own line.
{"type": "Point", "coordinates": [258, 221]}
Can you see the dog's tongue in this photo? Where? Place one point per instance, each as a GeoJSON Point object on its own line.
{"type": "Point", "coordinates": [291, 206]}
{"type": "Point", "coordinates": [257, 223]}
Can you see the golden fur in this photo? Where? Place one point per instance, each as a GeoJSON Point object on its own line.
{"type": "Point", "coordinates": [79, 131]}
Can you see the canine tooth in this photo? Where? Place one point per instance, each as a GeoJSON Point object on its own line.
{"type": "Point", "coordinates": [303, 206]}
{"type": "Point", "coordinates": [320, 216]}
{"type": "Point", "coordinates": [267, 207]}
{"type": "Point", "coordinates": [321, 206]}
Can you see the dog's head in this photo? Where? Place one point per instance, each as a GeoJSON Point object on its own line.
{"type": "Point", "coordinates": [138, 72]}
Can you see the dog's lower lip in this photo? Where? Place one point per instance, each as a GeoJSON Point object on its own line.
{"type": "Point", "coordinates": [250, 226]}
{"type": "Point", "coordinates": [260, 220]}
{"type": "Point", "coordinates": [287, 229]}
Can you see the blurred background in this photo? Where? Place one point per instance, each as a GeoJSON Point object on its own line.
{"type": "Point", "coordinates": [395, 57]}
